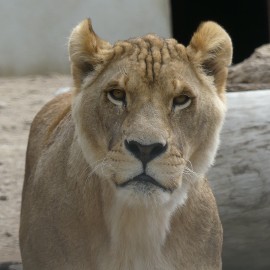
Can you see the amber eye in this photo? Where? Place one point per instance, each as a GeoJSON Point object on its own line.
{"type": "Point", "coordinates": [181, 101]}
{"type": "Point", "coordinates": [117, 96]}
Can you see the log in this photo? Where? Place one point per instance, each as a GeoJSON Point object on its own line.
{"type": "Point", "coordinates": [240, 180]}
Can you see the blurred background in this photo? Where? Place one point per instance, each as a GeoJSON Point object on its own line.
{"type": "Point", "coordinates": [34, 67]}
{"type": "Point", "coordinates": [34, 34]}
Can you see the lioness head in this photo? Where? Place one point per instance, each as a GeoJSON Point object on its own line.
{"type": "Point", "coordinates": [148, 111]}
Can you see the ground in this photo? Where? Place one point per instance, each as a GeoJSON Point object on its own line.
{"type": "Point", "coordinates": [20, 100]}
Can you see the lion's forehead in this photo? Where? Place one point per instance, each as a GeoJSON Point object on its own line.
{"type": "Point", "coordinates": [151, 53]}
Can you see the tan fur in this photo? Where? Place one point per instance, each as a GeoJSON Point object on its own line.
{"type": "Point", "coordinates": [76, 211]}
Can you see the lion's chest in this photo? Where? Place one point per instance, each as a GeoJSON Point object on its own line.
{"type": "Point", "coordinates": [135, 262]}
{"type": "Point", "coordinates": [136, 239]}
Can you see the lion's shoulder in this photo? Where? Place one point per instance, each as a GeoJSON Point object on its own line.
{"type": "Point", "coordinates": [44, 125]}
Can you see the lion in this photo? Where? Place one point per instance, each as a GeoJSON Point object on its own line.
{"type": "Point", "coordinates": [115, 169]}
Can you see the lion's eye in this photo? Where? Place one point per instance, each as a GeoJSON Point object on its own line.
{"type": "Point", "coordinates": [117, 97]}
{"type": "Point", "coordinates": [181, 101]}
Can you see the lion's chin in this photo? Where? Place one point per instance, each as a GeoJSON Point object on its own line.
{"type": "Point", "coordinates": [143, 191]}
{"type": "Point", "coordinates": [144, 183]}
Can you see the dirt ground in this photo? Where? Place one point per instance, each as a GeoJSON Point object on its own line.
{"type": "Point", "coordinates": [20, 100]}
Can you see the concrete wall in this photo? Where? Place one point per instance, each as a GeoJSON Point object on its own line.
{"type": "Point", "coordinates": [34, 34]}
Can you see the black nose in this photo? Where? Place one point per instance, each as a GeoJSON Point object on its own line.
{"type": "Point", "coordinates": [145, 153]}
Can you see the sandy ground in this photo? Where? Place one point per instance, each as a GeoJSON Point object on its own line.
{"type": "Point", "coordinates": [20, 100]}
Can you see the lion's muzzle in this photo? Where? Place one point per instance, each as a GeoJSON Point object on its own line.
{"type": "Point", "coordinates": [145, 153]}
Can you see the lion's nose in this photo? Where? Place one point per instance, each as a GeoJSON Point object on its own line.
{"type": "Point", "coordinates": [145, 153]}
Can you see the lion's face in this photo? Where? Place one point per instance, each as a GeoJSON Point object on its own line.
{"type": "Point", "coordinates": [147, 117]}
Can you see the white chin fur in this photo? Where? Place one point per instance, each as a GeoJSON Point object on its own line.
{"type": "Point", "coordinates": [130, 196]}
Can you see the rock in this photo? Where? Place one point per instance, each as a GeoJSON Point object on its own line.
{"type": "Point", "coordinates": [10, 266]}
{"type": "Point", "coordinates": [8, 234]}
{"type": "Point", "coordinates": [2, 105]}
{"type": "Point", "coordinates": [16, 267]}
{"type": "Point", "coordinates": [3, 198]}
{"type": "Point", "coordinates": [253, 73]}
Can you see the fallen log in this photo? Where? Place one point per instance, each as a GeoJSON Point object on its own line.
{"type": "Point", "coordinates": [240, 179]}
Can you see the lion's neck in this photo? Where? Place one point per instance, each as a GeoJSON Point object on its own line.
{"type": "Point", "coordinates": [137, 235]}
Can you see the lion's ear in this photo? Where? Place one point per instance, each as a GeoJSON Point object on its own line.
{"type": "Point", "coordinates": [86, 51]}
{"type": "Point", "coordinates": [211, 48]}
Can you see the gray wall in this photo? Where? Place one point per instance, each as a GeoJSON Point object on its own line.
{"type": "Point", "coordinates": [34, 33]}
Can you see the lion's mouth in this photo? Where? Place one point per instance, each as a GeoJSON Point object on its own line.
{"type": "Point", "coordinates": [144, 180]}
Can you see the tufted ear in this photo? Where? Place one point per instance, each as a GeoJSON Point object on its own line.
{"type": "Point", "coordinates": [86, 51]}
{"type": "Point", "coordinates": [211, 48]}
